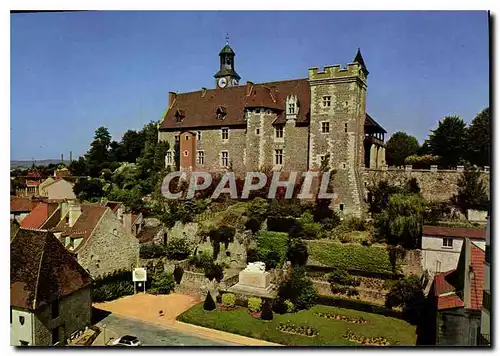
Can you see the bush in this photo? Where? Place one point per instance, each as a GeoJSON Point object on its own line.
{"type": "Point", "coordinates": [279, 306]}
{"type": "Point", "coordinates": [310, 228]}
{"type": "Point", "coordinates": [254, 304]}
{"type": "Point", "coordinates": [257, 209]}
{"type": "Point", "coordinates": [331, 223]}
{"type": "Point", "coordinates": [209, 303]}
{"type": "Point", "coordinates": [355, 224]}
{"type": "Point", "coordinates": [214, 271]}
{"type": "Point", "coordinates": [228, 300]}
{"type": "Point", "coordinates": [162, 283]}
{"type": "Point", "coordinates": [151, 251]}
{"type": "Point", "coordinates": [178, 272]}
{"type": "Point", "coordinates": [280, 224]}
{"type": "Point", "coordinates": [112, 286]}
{"type": "Point", "coordinates": [201, 260]}
{"type": "Point", "coordinates": [298, 289]}
{"type": "Point", "coordinates": [272, 241]}
{"type": "Point", "coordinates": [271, 259]}
{"type": "Point", "coordinates": [422, 162]}
{"type": "Point", "coordinates": [339, 276]}
{"type": "Point", "coordinates": [252, 255]}
{"type": "Point", "coordinates": [253, 224]}
{"type": "Point", "coordinates": [177, 249]}
{"type": "Point", "coordinates": [267, 312]}
{"type": "Point", "coordinates": [290, 308]}
{"type": "Point", "coordinates": [297, 252]}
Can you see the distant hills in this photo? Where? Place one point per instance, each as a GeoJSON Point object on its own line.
{"type": "Point", "coordinates": [41, 162]}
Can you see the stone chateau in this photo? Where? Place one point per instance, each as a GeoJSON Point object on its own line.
{"type": "Point", "coordinates": [290, 125]}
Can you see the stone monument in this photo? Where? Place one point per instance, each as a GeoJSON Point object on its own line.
{"type": "Point", "coordinates": [254, 281]}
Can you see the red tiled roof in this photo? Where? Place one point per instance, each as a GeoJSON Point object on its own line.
{"type": "Point", "coordinates": [477, 282]}
{"type": "Point", "coordinates": [42, 270]}
{"type": "Point", "coordinates": [18, 204]}
{"type": "Point", "coordinates": [449, 302]}
{"type": "Point", "coordinates": [113, 205]}
{"type": "Point", "coordinates": [84, 225]}
{"type": "Point", "coordinates": [36, 218]}
{"type": "Point", "coordinates": [201, 111]}
{"type": "Point", "coordinates": [441, 285]}
{"type": "Point", "coordinates": [441, 231]}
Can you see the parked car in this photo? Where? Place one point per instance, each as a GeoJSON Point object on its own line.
{"type": "Point", "coordinates": [127, 340]}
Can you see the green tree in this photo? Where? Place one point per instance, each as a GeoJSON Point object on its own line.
{"type": "Point", "coordinates": [298, 289]}
{"type": "Point", "coordinates": [297, 252]}
{"type": "Point", "coordinates": [132, 198]}
{"type": "Point", "coordinates": [378, 196]}
{"type": "Point", "coordinates": [89, 189]}
{"type": "Point", "coordinates": [449, 141]}
{"type": "Point", "coordinates": [98, 156]}
{"type": "Point", "coordinates": [132, 144]}
{"type": "Point", "coordinates": [401, 222]}
{"type": "Point", "coordinates": [400, 146]}
{"type": "Point", "coordinates": [479, 139]}
{"type": "Point", "coordinates": [471, 191]}
{"type": "Point", "coordinates": [79, 167]}
{"type": "Point", "coordinates": [408, 293]}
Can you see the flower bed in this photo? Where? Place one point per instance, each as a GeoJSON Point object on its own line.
{"type": "Point", "coordinates": [372, 341]}
{"type": "Point", "coordinates": [255, 315]}
{"type": "Point", "coordinates": [302, 330]}
{"type": "Point", "coordinates": [352, 320]}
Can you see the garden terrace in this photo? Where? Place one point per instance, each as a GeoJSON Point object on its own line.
{"type": "Point", "coordinates": [330, 332]}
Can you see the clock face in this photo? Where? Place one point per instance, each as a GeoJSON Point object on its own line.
{"type": "Point", "coordinates": [235, 82]}
{"type": "Point", "coordinates": [222, 82]}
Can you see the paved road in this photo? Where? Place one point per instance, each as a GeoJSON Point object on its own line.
{"type": "Point", "coordinates": [152, 335]}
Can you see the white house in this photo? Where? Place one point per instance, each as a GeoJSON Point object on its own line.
{"type": "Point", "coordinates": [441, 246]}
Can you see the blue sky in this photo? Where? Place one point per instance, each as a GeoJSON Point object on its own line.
{"type": "Point", "coordinates": [74, 72]}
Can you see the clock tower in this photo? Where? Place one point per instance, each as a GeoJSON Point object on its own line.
{"type": "Point", "coordinates": [226, 76]}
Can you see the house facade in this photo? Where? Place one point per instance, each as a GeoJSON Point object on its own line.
{"type": "Point", "coordinates": [59, 189]}
{"type": "Point", "coordinates": [291, 125]}
{"type": "Point", "coordinates": [97, 238]}
{"type": "Point", "coordinates": [441, 246]}
{"type": "Point", "coordinates": [50, 293]}
{"type": "Point", "coordinates": [457, 297]}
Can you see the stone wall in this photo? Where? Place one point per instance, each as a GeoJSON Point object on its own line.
{"type": "Point", "coordinates": [75, 312]}
{"type": "Point", "coordinates": [111, 247]}
{"type": "Point", "coordinates": [435, 185]}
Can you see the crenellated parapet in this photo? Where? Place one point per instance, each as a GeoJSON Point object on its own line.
{"type": "Point", "coordinates": [337, 72]}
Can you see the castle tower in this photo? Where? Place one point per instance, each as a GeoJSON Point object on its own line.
{"type": "Point", "coordinates": [226, 76]}
{"type": "Point", "coordinates": [336, 132]}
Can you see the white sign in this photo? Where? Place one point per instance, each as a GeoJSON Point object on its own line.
{"type": "Point", "coordinates": [139, 275]}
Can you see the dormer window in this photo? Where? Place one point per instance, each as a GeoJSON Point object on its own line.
{"type": "Point", "coordinates": [221, 113]}
{"type": "Point", "coordinates": [292, 107]}
{"type": "Point", "coordinates": [179, 115]}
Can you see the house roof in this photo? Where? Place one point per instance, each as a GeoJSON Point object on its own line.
{"type": "Point", "coordinates": [442, 231]}
{"type": "Point", "coordinates": [84, 225]}
{"type": "Point", "coordinates": [148, 233]}
{"type": "Point", "coordinates": [113, 205]}
{"type": "Point", "coordinates": [477, 282]}
{"type": "Point", "coordinates": [36, 218]}
{"type": "Point", "coordinates": [446, 293]}
{"type": "Point", "coordinates": [199, 107]}
{"type": "Point", "coordinates": [42, 270]}
{"type": "Point", "coordinates": [22, 204]}
{"type": "Point", "coordinates": [373, 125]}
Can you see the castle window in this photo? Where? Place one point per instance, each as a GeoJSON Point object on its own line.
{"type": "Point", "coordinates": [176, 138]}
{"type": "Point", "coordinates": [186, 153]}
{"type": "Point", "coordinates": [341, 207]}
{"type": "Point", "coordinates": [179, 115]}
{"type": "Point", "coordinates": [257, 131]}
{"type": "Point", "coordinates": [279, 131]}
{"type": "Point", "coordinates": [224, 159]}
{"type": "Point", "coordinates": [168, 158]}
{"type": "Point", "coordinates": [345, 127]}
{"type": "Point", "coordinates": [198, 136]}
{"type": "Point", "coordinates": [187, 137]}
{"type": "Point", "coordinates": [201, 157]}
{"type": "Point", "coordinates": [221, 113]}
{"type": "Point", "coordinates": [278, 157]}
{"type": "Point", "coordinates": [291, 108]}
{"type": "Point", "coordinates": [225, 133]}
{"type": "Point", "coordinates": [322, 159]}
{"type": "Point", "coordinates": [327, 100]}
{"type": "Point", "coordinates": [325, 127]}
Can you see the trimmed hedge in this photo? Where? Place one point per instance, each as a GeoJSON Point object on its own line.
{"type": "Point", "coordinates": [371, 259]}
{"type": "Point", "coordinates": [112, 286]}
{"type": "Point", "coordinates": [359, 305]}
{"type": "Point", "coordinates": [272, 241]}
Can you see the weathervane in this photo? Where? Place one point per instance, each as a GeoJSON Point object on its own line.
{"type": "Point", "coordinates": [227, 38]}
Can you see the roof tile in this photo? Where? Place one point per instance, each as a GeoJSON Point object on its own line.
{"type": "Point", "coordinates": [441, 231]}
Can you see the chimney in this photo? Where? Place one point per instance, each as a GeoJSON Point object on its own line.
{"type": "Point", "coordinates": [70, 156]}
{"type": "Point", "coordinates": [171, 98]}
{"type": "Point", "coordinates": [127, 221]}
{"type": "Point", "coordinates": [74, 213]}
{"type": "Point", "coordinates": [62, 158]}
{"type": "Point", "coordinates": [203, 92]}
{"type": "Point", "coordinates": [249, 88]}
{"type": "Point", "coordinates": [64, 208]}
{"type": "Point", "coordinates": [119, 213]}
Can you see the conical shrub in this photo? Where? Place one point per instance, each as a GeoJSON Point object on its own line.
{"type": "Point", "coordinates": [209, 303]}
{"type": "Point", "coordinates": [267, 312]}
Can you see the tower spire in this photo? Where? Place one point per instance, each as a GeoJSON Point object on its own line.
{"type": "Point", "coordinates": [359, 59]}
{"type": "Point", "coordinates": [227, 38]}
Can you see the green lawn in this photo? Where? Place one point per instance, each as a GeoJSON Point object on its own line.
{"type": "Point", "coordinates": [330, 332]}
{"type": "Point", "coordinates": [350, 256]}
